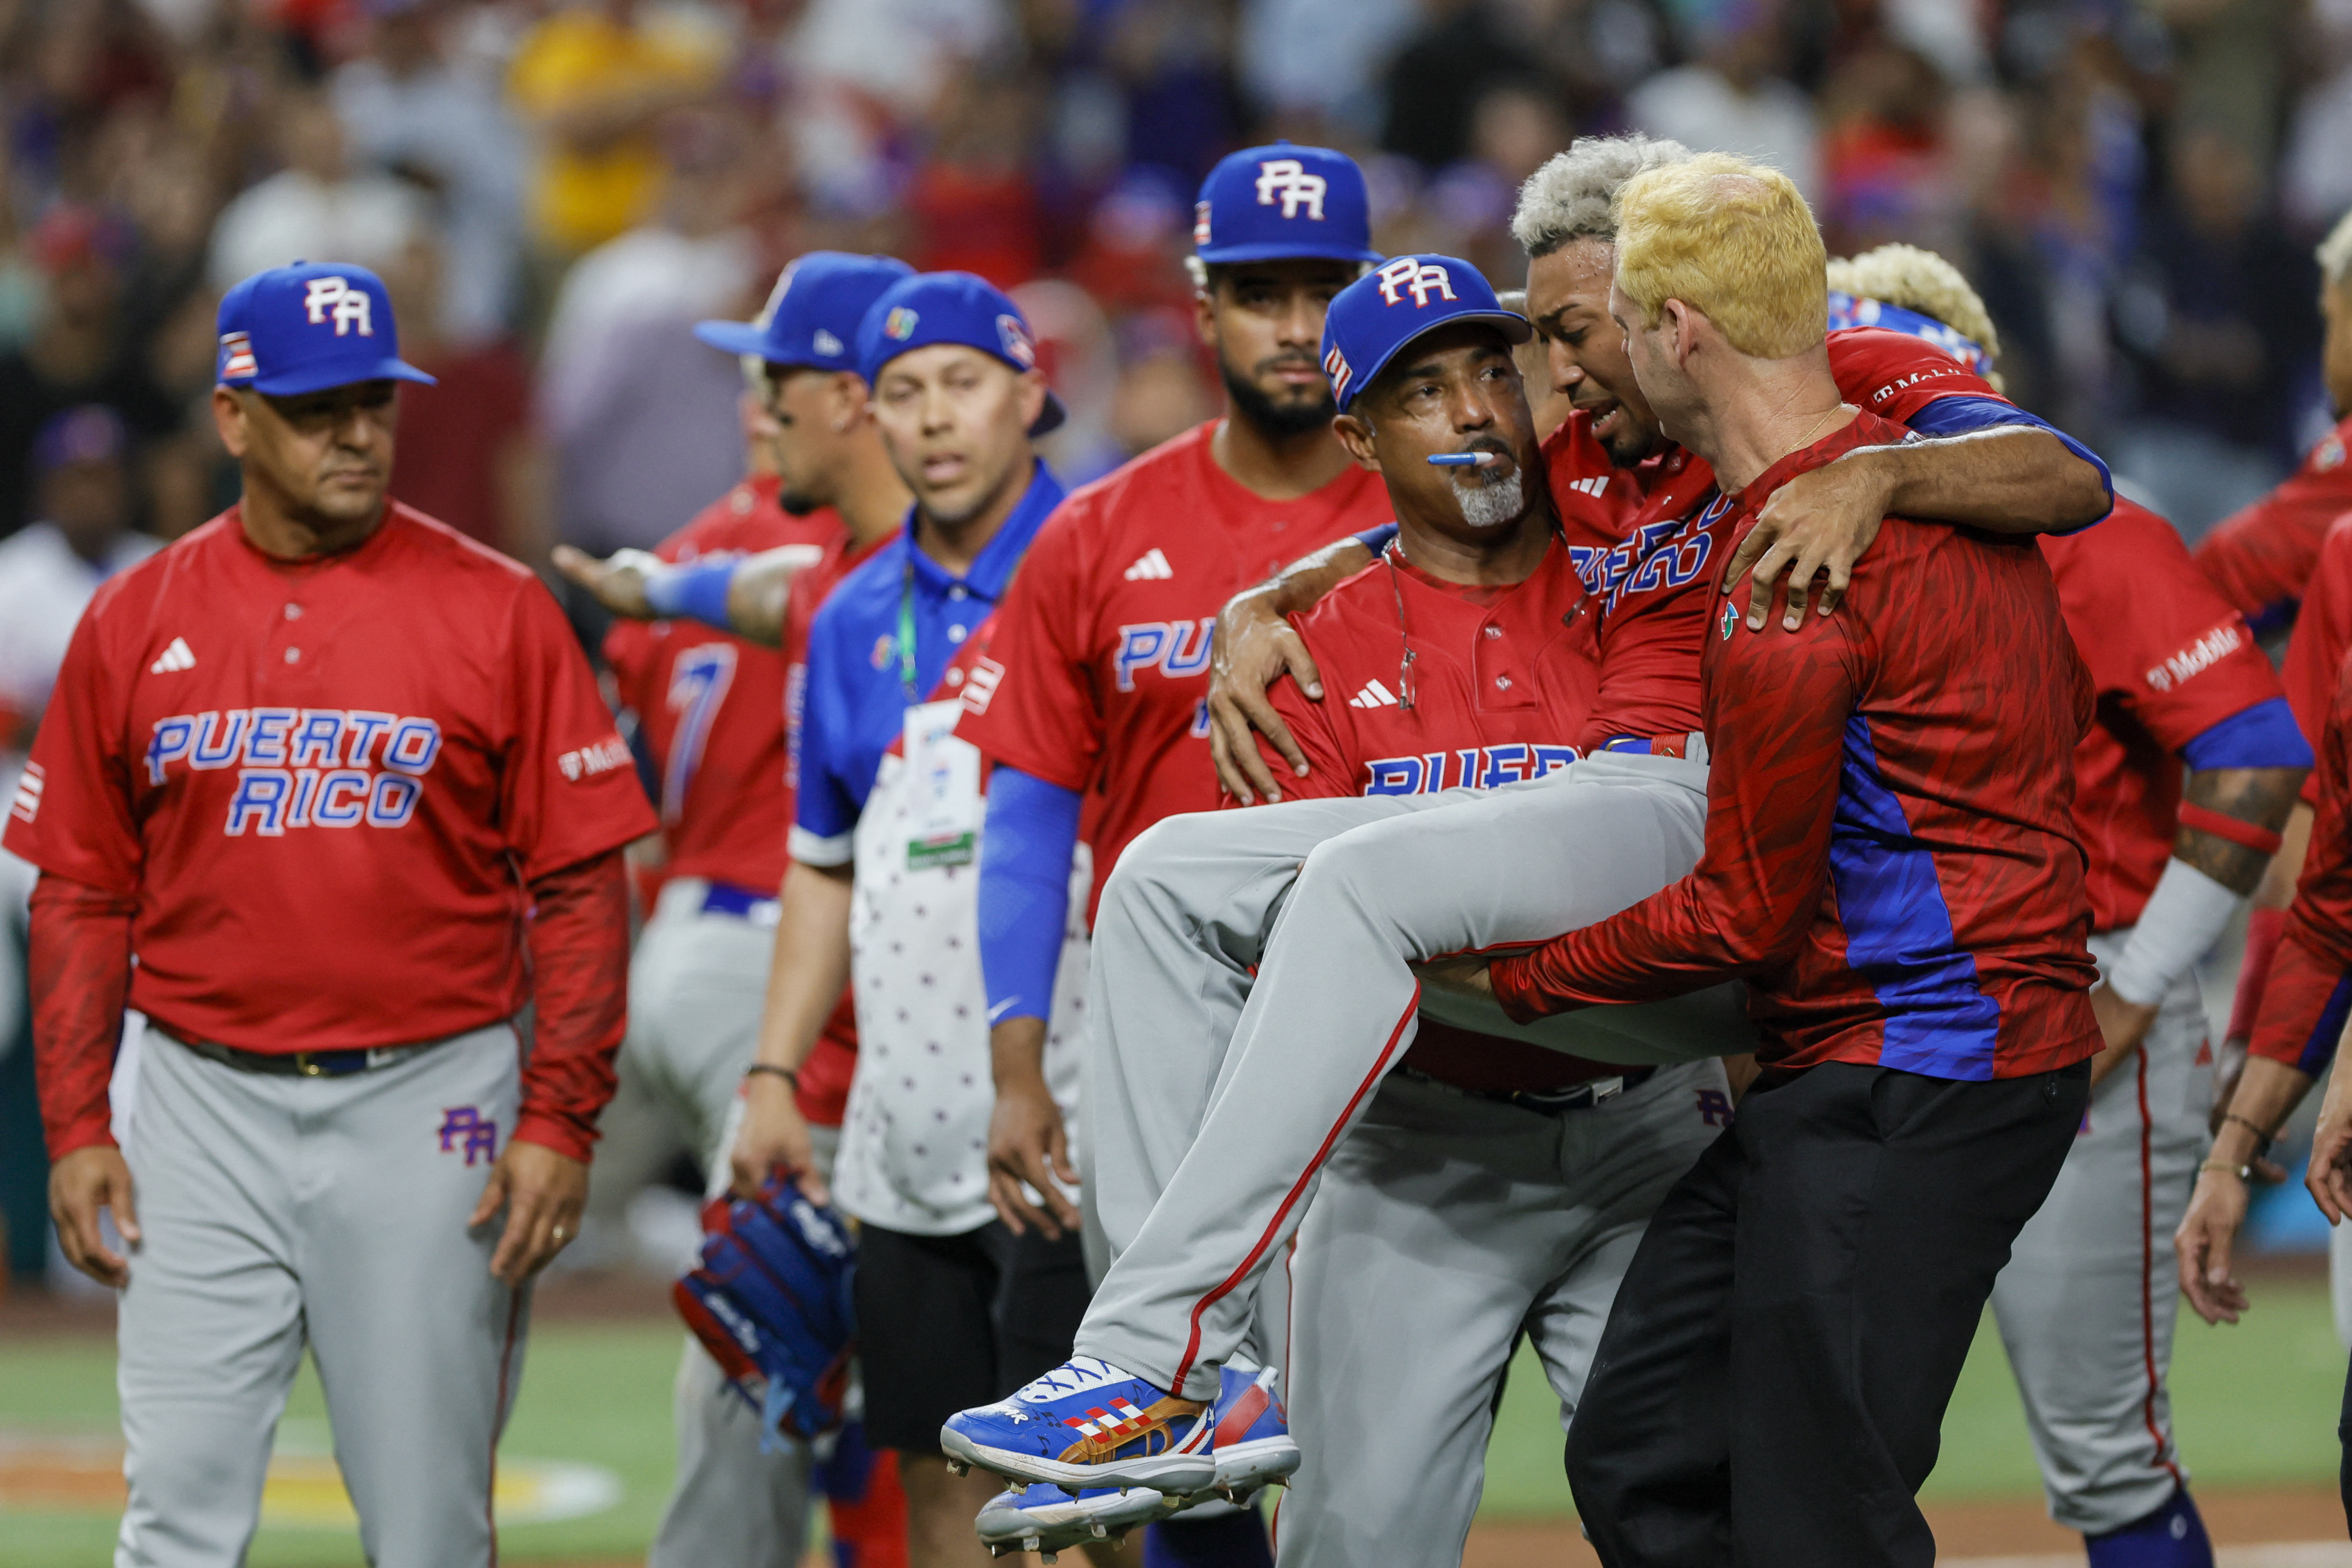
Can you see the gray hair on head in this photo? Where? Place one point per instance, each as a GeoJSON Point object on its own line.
{"type": "Point", "coordinates": [1567, 198]}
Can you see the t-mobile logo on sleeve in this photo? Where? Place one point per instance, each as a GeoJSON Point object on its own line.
{"type": "Point", "coordinates": [301, 768]}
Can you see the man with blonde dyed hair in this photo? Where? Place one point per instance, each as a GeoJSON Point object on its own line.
{"type": "Point", "coordinates": [1889, 862]}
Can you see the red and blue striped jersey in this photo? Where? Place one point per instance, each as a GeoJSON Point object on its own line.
{"type": "Point", "coordinates": [1890, 856]}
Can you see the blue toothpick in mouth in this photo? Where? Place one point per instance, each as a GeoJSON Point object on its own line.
{"type": "Point", "coordinates": [1465, 459]}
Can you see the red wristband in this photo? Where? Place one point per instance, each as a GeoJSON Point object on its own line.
{"type": "Point", "coordinates": [2244, 834]}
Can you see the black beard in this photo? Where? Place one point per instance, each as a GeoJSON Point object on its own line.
{"type": "Point", "coordinates": [1280, 421]}
{"type": "Point", "coordinates": [796, 504]}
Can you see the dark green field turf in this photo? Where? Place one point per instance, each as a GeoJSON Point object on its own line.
{"type": "Point", "coordinates": [2256, 1406]}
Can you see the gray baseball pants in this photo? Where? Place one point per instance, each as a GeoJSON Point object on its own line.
{"type": "Point", "coordinates": [280, 1212]}
{"type": "Point", "coordinates": [697, 982]}
{"type": "Point", "coordinates": [1206, 1153]}
{"type": "Point", "coordinates": [2087, 1302]}
{"type": "Point", "coordinates": [1446, 1225]}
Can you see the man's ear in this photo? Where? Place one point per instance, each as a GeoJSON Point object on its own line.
{"type": "Point", "coordinates": [1355, 435]}
{"type": "Point", "coordinates": [850, 401]}
{"type": "Point", "coordinates": [228, 420]}
{"type": "Point", "coordinates": [1032, 397]}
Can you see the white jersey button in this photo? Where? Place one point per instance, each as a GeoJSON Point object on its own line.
{"type": "Point", "coordinates": [956, 591]}
{"type": "Point", "coordinates": [1494, 630]}
{"type": "Point", "coordinates": [1503, 682]}
{"type": "Point", "coordinates": [293, 612]}
{"type": "Point", "coordinates": [955, 634]}
{"type": "Point", "coordinates": [293, 656]}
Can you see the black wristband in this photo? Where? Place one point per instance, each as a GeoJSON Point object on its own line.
{"type": "Point", "coordinates": [2268, 1141]}
{"type": "Point", "coordinates": [789, 1075]}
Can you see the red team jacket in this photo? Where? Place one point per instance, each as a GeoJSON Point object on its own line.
{"type": "Point", "coordinates": [2309, 995]}
{"type": "Point", "coordinates": [711, 705]}
{"type": "Point", "coordinates": [2261, 556]}
{"type": "Point", "coordinates": [2168, 660]}
{"type": "Point", "coordinates": [1890, 857]}
{"type": "Point", "coordinates": [1101, 675]}
{"type": "Point", "coordinates": [327, 784]}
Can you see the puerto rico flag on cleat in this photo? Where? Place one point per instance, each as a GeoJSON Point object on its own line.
{"type": "Point", "coordinates": [1089, 1424]}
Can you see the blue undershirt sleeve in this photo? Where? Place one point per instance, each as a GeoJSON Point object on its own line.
{"type": "Point", "coordinates": [1377, 539]}
{"type": "Point", "coordinates": [1031, 835]}
{"type": "Point", "coordinates": [698, 589]}
{"type": "Point", "coordinates": [2264, 736]}
{"type": "Point", "coordinates": [1960, 415]}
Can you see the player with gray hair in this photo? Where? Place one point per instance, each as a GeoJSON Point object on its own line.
{"type": "Point", "coordinates": [1569, 197]}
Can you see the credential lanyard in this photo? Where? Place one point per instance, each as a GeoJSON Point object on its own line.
{"type": "Point", "coordinates": [907, 630]}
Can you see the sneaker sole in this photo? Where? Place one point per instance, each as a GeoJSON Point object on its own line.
{"type": "Point", "coordinates": [1171, 1473]}
{"type": "Point", "coordinates": [1015, 1529]}
{"type": "Point", "coordinates": [1263, 1462]}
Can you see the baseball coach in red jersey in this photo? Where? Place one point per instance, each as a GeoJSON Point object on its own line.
{"type": "Point", "coordinates": [327, 794]}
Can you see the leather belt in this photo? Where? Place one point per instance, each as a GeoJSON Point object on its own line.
{"type": "Point", "coordinates": [1581, 1096]}
{"type": "Point", "coordinates": [296, 1064]}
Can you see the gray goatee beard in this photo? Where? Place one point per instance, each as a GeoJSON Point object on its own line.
{"type": "Point", "coordinates": [1490, 505]}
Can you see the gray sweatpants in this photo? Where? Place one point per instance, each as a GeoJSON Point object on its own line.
{"type": "Point", "coordinates": [2087, 1302]}
{"type": "Point", "coordinates": [1446, 1225]}
{"type": "Point", "coordinates": [280, 1212]}
{"type": "Point", "coordinates": [696, 985]}
{"type": "Point", "coordinates": [1206, 1153]}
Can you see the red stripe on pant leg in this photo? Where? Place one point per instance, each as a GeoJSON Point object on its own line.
{"type": "Point", "coordinates": [1265, 1237]}
{"type": "Point", "coordinates": [2148, 1270]}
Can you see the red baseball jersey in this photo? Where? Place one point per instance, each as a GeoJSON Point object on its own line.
{"type": "Point", "coordinates": [2309, 997]}
{"type": "Point", "coordinates": [2168, 660]}
{"type": "Point", "coordinates": [2262, 555]}
{"type": "Point", "coordinates": [326, 783]}
{"type": "Point", "coordinates": [1890, 854]}
{"type": "Point", "coordinates": [823, 1095]}
{"type": "Point", "coordinates": [1650, 589]}
{"type": "Point", "coordinates": [1501, 679]}
{"type": "Point", "coordinates": [1101, 667]}
{"type": "Point", "coordinates": [711, 705]}
{"type": "Point", "coordinates": [2323, 635]}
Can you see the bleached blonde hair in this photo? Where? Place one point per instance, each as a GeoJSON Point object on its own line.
{"type": "Point", "coordinates": [1732, 239]}
{"type": "Point", "coordinates": [1920, 280]}
{"type": "Point", "coordinates": [2335, 253]}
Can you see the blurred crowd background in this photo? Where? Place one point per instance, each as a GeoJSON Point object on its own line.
{"type": "Point", "coordinates": [555, 190]}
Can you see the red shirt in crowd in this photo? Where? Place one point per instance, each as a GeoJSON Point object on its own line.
{"type": "Point", "coordinates": [2170, 658]}
{"type": "Point", "coordinates": [1890, 857]}
{"type": "Point", "coordinates": [711, 705]}
{"type": "Point", "coordinates": [327, 785]}
{"type": "Point", "coordinates": [1103, 639]}
{"type": "Point", "coordinates": [2260, 557]}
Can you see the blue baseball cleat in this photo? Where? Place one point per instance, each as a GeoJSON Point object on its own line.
{"type": "Point", "coordinates": [1089, 1424]}
{"type": "Point", "coordinates": [1252, 1446]}
{"type": "Point", "coordinates": [1045, 1519]}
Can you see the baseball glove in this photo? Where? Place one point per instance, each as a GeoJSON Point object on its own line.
{"type": "Point", "coordinates": [770, 1302]}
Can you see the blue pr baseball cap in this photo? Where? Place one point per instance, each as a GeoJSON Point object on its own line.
{"type": "Point", "coordinates": [309, 326]}
{"type": "Point", "coordinates": [1396, 302]}
{"type": "Point", "coordinates": [812, 315]}
{"type": "Point", "coordinates": [1271, 204]}
{"type": "Point", "coordinates": [951, 307]}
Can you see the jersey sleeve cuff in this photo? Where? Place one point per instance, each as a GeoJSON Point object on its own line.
{"type": "Point", "coordinates": [820, 849]}
{"type": "Point", "coordinates": [94, 1131]}
{"type": "Point", "coordinates": [553, 1130]}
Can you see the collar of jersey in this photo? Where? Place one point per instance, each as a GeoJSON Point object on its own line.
{"type": "Point", "coordinates": [993, 570]}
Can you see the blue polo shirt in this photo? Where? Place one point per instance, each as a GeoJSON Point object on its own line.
{"type": "Point", "coordinates": [856, 694]}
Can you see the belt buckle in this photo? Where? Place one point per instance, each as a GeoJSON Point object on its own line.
{"type": "Point", "coordinates": [1607, 1089]}
{"type": "Point", "coordinates": [307, 1067]}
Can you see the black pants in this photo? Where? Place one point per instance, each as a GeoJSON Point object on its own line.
{"type": "Point", "coordinates": [946, 1322]}
{"type": "Point", "coordinates": [1770, 1387]}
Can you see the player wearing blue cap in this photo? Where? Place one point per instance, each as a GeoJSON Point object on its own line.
{"type": "Point", "coordinates": [711, 712]}
{"type": "Point", "coordinates": [309, 765]}
{"type": "Point", "coordinates": [948, 1300]}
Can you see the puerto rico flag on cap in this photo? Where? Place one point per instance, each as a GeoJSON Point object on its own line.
{"type": "Point", "coordinates": [1374, 316]}
{"type": "Point", "coordinates": [1276, 203]}
{"type": "Point", "coordinates": [308, 328]}
{"type": "Point", "coordinates": [951, 307]}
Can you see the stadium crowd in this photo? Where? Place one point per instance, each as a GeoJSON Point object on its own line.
{"type": "Point", "coordinates": [556, 191]}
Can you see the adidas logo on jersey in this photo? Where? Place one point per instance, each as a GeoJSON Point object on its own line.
{"type": "Point", "coordinates": [1593, 486]}
{"type": "Point", "coordinates": [1374, 695]}
{"type": "Point", "coordinates": [175, 657]}
{"type": "Point", "coordinates": [1152, 566]}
